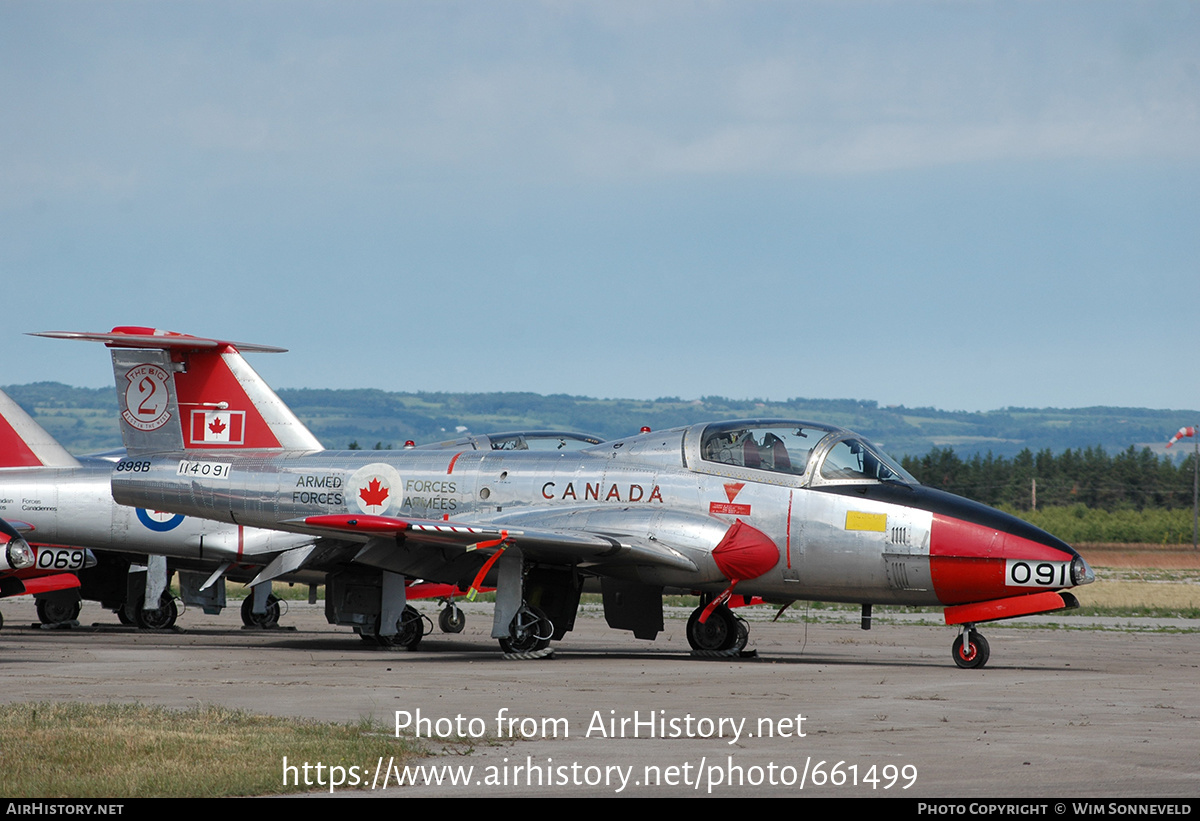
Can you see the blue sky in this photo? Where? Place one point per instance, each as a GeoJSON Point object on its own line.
{"type": "Point", "coordinates": [967, 205]}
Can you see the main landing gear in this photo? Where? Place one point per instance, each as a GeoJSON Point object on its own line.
{"type": "Point", "coordinates": [970, 649]}
{"type": "Point", "coordinates": [528, 632]}
{"type": "Point", "coordinates": [722, 634]}
{"type": "Point", "coordinates": [162, 617]}
{"type": "Point", "coordinates": [265, 620]}
{"type": "Point", "coordinates": [410, 629]}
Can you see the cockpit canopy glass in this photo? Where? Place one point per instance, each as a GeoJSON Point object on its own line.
{"type": "Point", "coordinates": [791, 447]}
{"type": "Point", "coordinates": [542, 440]}
{"type": "Point", "coordinates": [779, 448]}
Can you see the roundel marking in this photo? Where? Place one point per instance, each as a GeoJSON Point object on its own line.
{"type": "Point", "coordinates": [376, 489]}
{"type": "Point", "coordinates": [159, 520]}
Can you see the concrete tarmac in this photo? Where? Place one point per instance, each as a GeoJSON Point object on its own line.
{"type": "Point", "coordinates": [1059, 712]}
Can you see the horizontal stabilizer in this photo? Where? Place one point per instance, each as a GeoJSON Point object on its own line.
{"type": "Point", "coordinates": [130, 336]}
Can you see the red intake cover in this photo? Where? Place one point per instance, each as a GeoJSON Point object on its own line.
{"type": "Point", "coordinates": [745, 552]}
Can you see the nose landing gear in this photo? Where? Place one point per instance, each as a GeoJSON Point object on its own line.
{"type": "Point", "coordinates": [970, 649]}
{"type": "Point", "coordinates": [451, 619]}
{"type": "Point", "coordinates": [721, 635]}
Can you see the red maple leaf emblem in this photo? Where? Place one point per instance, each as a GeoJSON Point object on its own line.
{"type": "Point", "coordinates": [216, 425]}
{"type": "Point", "coordinates": [373, 494]}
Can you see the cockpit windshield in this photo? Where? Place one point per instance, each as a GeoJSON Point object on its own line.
{"type": "Point", "coordinates": [791, 448]}
{"type": "Point", "coordinates": [855, 459]}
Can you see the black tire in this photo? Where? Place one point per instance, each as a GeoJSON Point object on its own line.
{"type": "Point", "coordinates": [56, 612]}
{"type": "Point", "coordinates": [718, 634]}
{"type": "Point", "coordinates": [528, 632]}
{"type": "Point", "coordinates": [743, 634]}
{"type": "Point", "coordinates": [451, 619]}
{"type": "Point", "coordinates": [410, 629]}
{"type": "Point", "coordinates": [264, 620]}
{"type": "Point", "coordinates": [974, 655]}
{"type": "Point", "coordinates": [124, 617]}
{"type": "Point", "coordinates": [161, 618]}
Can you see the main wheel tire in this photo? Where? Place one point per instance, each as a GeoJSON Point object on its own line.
{"type": "Point", "coordinates": [528, 632]}
{"type": "Point", "coordinates": [718, 634]}
{"type": "Point", "coordinates": [160, 618]}
{"type": "Point", "coordinates": [56, 612]}
{"type": "Point", "coordinates": [265, 620]}
{"type": "Point", "coordinates": [124, 617]}
{"type": "Point", "coordinates": [451, 619]}
{"type": "Point", "coordinates": [410, 629]}
{"type": "Point", "coordinates": [974, 654]}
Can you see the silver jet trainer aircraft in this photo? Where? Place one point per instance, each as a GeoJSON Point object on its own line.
{"type": "Point", "coordinates": [780, 510]}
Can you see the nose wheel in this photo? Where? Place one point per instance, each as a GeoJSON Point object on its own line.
{"type": "Point", "coordinates": [721, 634]}
{"type": "Point", "coordinates": [56, 611]}
{"type": "Point", "coordinates": [970, 649]}
{"type": "Point", "coordinates": [452, 619]}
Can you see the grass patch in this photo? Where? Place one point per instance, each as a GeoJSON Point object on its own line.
{"type": "Point", "coordinates": [74, 750]}
{"type": "Point", "coordinates": [1126, 597]}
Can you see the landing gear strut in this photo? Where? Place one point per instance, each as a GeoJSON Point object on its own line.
{"type": "Point", "coordinates": [722, 634]}
{"type": "Point", "coordinates": [970, 649]}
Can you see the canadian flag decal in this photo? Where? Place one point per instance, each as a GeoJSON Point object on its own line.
{"type": "Point", "coordinates": [218, 428]}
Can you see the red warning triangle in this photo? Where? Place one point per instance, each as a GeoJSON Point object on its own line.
{"type": "Point", "coordinates": [733, 489]}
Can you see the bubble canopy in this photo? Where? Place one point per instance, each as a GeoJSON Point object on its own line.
{"type": "Point", "coordinates": [822, 454]}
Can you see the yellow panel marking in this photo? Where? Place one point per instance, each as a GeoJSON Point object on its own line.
{"type": "Point", "coordinates": [857, 520]}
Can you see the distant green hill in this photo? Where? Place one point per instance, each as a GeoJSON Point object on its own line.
{"type": "Point", "coordinates": [84, 419]}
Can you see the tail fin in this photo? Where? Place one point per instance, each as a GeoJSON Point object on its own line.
{"type": "Point", "coordinates": [25, 443]}
{"type": "Point", "coordinates": [180, 392]}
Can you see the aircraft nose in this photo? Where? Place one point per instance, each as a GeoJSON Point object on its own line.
{"type": "Point", "coordinates": [978, 553]}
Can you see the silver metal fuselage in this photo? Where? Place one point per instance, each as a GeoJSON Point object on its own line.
{"type": "Point", "coordinates": [655, 487]}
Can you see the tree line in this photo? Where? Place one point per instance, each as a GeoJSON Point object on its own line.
{"type": "Point", "coordinates": [1128, 480]}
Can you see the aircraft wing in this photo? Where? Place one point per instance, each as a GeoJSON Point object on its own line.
{"type": "Point", "coordinates": [549, 544]}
